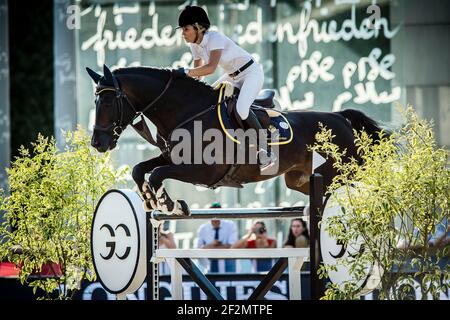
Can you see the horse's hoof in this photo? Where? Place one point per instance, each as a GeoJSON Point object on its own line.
{"type": "Point", "coordinates": [166, 207]}
{"type": "Point", "coordinates": [149, 205]}
{"type": "Point", "coordinates": [146, 189]}
{"type": "Point", "coordinates": [165, 204]}
{"type": "Point", "coordinates": [146, 206]}
{"type": "Point", "coordinates": [181, 208]}
{"type": "Point", "coordinates": [150, 202]}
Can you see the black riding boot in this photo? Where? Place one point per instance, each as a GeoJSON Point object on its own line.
{"type": "Point", "coordinates": [266, 158]}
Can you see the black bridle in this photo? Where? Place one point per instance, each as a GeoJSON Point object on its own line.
{"type": "Point", "coordinates": [118, 126]}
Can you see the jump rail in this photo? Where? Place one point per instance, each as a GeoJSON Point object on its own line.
{"type": "Point", "coordinates": [236, 213]}
{"type": "Point", "coordinates": [314, 212]}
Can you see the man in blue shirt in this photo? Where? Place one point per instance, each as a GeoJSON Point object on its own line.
{"type": "Point", "coordinates": [218, 234]}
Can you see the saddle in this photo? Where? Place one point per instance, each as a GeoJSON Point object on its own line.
{"type": "Point", "coordinates": [263, 107]}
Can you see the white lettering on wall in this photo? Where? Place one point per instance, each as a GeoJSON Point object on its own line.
{"type": "Point", "coordinates": [358, 79]}
{"type": "Point", "coordinates": [130, 39]}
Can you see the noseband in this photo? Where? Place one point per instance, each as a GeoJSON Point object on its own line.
{"type": "Point", "coordinates": [117, 127]}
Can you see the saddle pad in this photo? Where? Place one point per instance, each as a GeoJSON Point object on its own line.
{"type": "Point", "coordinates": [277, 122]}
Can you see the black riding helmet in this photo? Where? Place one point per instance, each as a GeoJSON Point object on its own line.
{"type": "Point", "coordinates": [193, 14]}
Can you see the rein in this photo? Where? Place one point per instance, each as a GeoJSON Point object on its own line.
{"type": "Point", "coordinates": [141, 127]}
{"type": "Point", "coordinates": [118, 126]}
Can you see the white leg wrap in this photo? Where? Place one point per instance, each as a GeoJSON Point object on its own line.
{"type": "Point", "coordinates": [177, 209]}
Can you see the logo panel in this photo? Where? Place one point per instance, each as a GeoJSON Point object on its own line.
{"type": "Point", "coordinates": [117, 240]}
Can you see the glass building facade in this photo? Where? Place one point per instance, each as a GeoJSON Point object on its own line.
{"type": "Point", "coordinates": [4, 95]}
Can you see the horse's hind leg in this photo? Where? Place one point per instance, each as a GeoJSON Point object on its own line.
{"type": "Point", "coordinates": [297, 180]}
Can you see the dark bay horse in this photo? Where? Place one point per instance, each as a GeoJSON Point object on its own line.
{"type": "Point", "coordinates": [171, 100]}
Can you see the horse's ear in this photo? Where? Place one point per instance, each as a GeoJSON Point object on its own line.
{"type": "Point", "coordinates": [94, 75]}
{"type": "Point", "coordinates": [107, 74]}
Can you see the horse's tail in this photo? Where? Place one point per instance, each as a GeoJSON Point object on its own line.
{"type": "Point", "coordinates": [361, 122]}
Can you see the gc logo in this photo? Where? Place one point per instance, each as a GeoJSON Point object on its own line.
{"type": "Point", "coordinates": [118, 241]}
{"type": "Point", "coordinates": [344, 249]}
{"type": "Point", "coordinates": [333, 250]}
{"type": "Point", "coordinates": [112, 244]}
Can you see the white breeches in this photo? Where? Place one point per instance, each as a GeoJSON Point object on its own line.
{"type": "Point", "coordinates": [250, 82]}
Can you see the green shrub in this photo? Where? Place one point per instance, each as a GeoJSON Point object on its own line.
{"type": "Point", "coordinates": [49, 212]}
{"type": "Point", "coordinates": [392, 203]}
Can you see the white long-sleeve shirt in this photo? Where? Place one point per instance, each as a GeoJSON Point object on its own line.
{"type": "Point", "coordinates": [233, 56]}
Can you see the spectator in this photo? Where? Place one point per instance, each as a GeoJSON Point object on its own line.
{"type": "Point", "coordinates": [298, 235]}
{"type": "Point", "coordinates": [218, 234]}
{"type": "Point", "coordinates": [257, 238]}
{"type": "Point", "coordinates": [165, 238]}
{"type": "Point", "coordinates": [165, 241]}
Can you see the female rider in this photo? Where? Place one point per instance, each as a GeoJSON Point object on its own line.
{"type": "Point", "coordinates": [211, 49]}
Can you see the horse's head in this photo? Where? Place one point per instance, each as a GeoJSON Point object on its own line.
{"type": "Point", "coordinates": [146, 94]}
{"type": "Point", "coordinates": [111, 117]}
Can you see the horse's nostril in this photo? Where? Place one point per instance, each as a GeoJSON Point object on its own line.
{"type": "Point", "coordinates": [94, 143]}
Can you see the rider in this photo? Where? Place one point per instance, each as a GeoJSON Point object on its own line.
{"type": "Point", "coordinates": [212, 48]}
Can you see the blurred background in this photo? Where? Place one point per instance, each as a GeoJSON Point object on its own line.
{"type": "Point", "coordinates": [322, 55]}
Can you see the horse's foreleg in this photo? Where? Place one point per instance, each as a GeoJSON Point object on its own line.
{"type": "Point", "coordinates": [185, 173]}
{"type": "Point", "coordinates": [138, 174]}
{"type": "Point", "coordinates": [144, 167]}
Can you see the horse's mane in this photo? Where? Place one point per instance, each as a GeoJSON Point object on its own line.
{"type": "Point", "coordinates": [192, 83]}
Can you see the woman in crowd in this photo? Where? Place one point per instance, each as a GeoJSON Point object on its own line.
{"type": "Point", "coordinates": [298, 235]}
